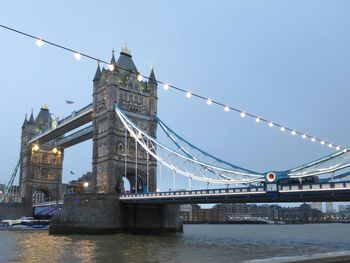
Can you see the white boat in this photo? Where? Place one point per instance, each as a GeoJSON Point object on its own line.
{"type": "Point", "coordinates": [24, 223]}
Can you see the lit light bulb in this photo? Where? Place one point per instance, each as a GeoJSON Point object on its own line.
{"type": "Point", "coordinates": [188, 94]}
{"type": "Point", "coordinates": [242, 114]}
{"type": "Point", "coordinates": [54, 150]}
{"type": "Point", "coordinates": [293, 133]}
{"type": "Point", "coordinates": [166, 86]}
{"type": "Point", "coordinates": [270, 124]}
{"type": "Point", "coordinates": [257, 119]}
{"type": "Point", "coordinates": [282, 129]}
{"type": "Point", "coordinates": [209, 101]}
{"type": "Point", "coordinates": [139, 77]}
{"type": "Point", "coordinates": [322, 142]}
{"type": "Point", "coordinates": [303, 136]}
{"type": "Point", "coordinates": [338, 148]}
{"type": "Point", "coordinates": [330, 145]}
{"type": "Point", "coordinates": [39, 42]}
{"type": "Point", "coordinates": [313, 139]}
{"type": "Point", "coordinates": [111, 67]}
{"type": "Point", "coordinates": [77, 55]}
{"type": "Point", "coordinates": [36, 147]}
{"type": "Point", "coordinates": [345, 150]}
{"type": "Point", "coordinates": [226, 109]}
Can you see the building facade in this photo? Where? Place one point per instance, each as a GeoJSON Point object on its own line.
{"type": "Point", "coordinates": [41, 165]}
{"type": "Point", "coordinates": [115, 152]}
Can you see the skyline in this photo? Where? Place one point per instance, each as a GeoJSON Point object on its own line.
{"type": "Point", "coordinates": [275, 151]}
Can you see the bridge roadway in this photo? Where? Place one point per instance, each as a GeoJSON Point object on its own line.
{"type": "Point", "coordinates": [73, 121]}
{"type": "Point", "coordinates": [323, 192]}
{"type": "Point", "coordinates": [272, 193]}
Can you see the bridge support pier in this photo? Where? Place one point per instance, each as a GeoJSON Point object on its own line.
{"type": "Point", "coordinates": [87, 213]}
{"type": "Point", "coordinates": [151, 219]}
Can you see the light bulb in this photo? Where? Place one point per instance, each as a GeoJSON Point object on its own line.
{"type": "Point", "coordinates": [77, 55]}
{"type": "Point", "coordinates": [209, 101]}
{"type": "Point", "coordinates": [242, 114]}
{"type": "Point", "coordinates": [338, 148]}
{"type": "Point", "coordinates": [293, 133]}
{"type": "Point", "coordinates": [322, 142]}
{"type": "Point", "coordinates": [54, 150]}
{"type": "Point", "coordinates": [226, 109]}
{"type": "Point", "coordinates": [111, 67]}
{"type": "Point", "coordinates": [166, 86]}
{"type": "Point", "coordinates": [345, 150]}
{"type": "Point", "coordinates": [313, 139]}
{"type": "Point", "coordinates": [330, 145]}
{"type": "Point", "coordinates": [270, 124]}
{"type": "Point", "coordinates": [257, 119]}
{"type": "Point", "coordinates": [282, 129]}
{"type": "Point", "coordinates": [303, 136]}
{"type": "Point", "coordinates": [36, 147]}
{"type": "Point", "coordinates": [139, 77]}
{"type": "Point", "coordinates": [188, 94]}
{"type": "Point", "coordinates": [39, 42]}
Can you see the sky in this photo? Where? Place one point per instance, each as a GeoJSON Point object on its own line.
{"type": "Point", "coordinates": [286, 61]}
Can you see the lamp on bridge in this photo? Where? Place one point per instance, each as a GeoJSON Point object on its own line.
{"type": "Point", "coordinates": [54, 150]}
{"type": "Point", "coordinates": [36, 147]}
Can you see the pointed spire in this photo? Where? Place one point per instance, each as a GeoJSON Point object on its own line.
{"type": "Point", "coordinates": [25, 122]}
{"type": "Point", "coordinates": [98, 72]}
{"type": "Point", "coordinates": [125, 50]}
{"type": "Point", "coordinates": [31, 119]}
{"type": "Point", "coordinates": [152, 78]}
{"type": "Point", "coordinates": [113, 62]}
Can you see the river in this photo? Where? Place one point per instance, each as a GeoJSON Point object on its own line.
{"type": "Point", "coordinates": [198, 243]}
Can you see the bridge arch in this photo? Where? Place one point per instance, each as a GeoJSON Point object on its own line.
{"type": "Point", "coordinates": [41, 194]}
{"type": "Point", "coordinates": [130, 178]}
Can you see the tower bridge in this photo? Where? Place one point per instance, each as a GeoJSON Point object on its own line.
{"type": "Point", "coordinates": [122, 121]}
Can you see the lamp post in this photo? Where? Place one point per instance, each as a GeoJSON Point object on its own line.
{"type": "Point", "coordinates": [86, 185]}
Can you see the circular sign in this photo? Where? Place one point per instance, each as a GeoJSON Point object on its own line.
{"type": "Point", "coordinates": [271, 176]}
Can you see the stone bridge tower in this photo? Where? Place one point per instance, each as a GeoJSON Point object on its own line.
{"type": "Point", "coordinates": [41, 165]}
{"type": "Point", "coordinates": [138, 99]}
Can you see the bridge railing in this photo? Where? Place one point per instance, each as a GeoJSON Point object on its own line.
{"type": "Point", "coordinates": [75, 114]}
{"type": "Point", "coordinates": [62, 122]}
{"type": "Point", "coordinates": [49, 203]}
{"type": "Point", "coordinates": [75, 135]}
{"type": "Point", "coordinates": [199, 192]}
{"type": "Point", "coordinates": [315, 187]}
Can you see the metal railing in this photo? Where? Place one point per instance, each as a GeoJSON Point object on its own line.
{"type": "Point", "coordinates": [207, 192]}
{"type": "Point", "coordinates": [75, 135]}
{"type": "Point", "coordinates": [315, 187]}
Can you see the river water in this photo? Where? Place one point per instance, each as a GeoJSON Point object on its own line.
{"type": "Point", "coordinates": [198, 243]}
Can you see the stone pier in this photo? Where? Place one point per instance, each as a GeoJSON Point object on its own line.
{"type": "Point", "coordinates": [15, 210]}
{"type": "Point", "coordinates": [88, 213]}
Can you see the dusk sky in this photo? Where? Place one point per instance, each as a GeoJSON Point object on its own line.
{"type": "Point", "coordinates": [286, 61]}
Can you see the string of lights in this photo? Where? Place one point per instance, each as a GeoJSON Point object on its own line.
{"type": "Point", "coordinates": [166, 86]}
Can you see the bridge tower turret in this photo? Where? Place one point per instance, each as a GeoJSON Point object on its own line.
{"type": "Point", "coordinates": [41, 165]}
{"type": "Point", "coordinates": [114, 156]}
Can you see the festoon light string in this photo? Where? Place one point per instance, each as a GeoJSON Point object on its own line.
{"type": "Point", "coordinates": [243, 114]}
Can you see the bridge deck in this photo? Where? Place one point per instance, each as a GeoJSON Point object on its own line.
{"type": "Point", "coordinates": [294, 193]}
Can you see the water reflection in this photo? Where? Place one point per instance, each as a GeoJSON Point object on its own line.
{"type": "Point", "coordinates": [199, 243]}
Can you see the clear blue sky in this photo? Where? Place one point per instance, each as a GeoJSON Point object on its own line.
{"type": "Point", "coordinates": [288, 61]}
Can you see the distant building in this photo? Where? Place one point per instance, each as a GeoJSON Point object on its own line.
{"type": "Point", "coordinates": [329, 207]}
{"type": "Point", "coordinates": [83, 184]}
{"type": "Point", "coordinates": [316, 205]}
{"type": "Point", "coordinates": [343, 208]}
{"type": "Point", "coordinates": [185, 213]}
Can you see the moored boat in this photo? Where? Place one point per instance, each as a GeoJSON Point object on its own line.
{"type": "Point", "coordinates": [24, 223]}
